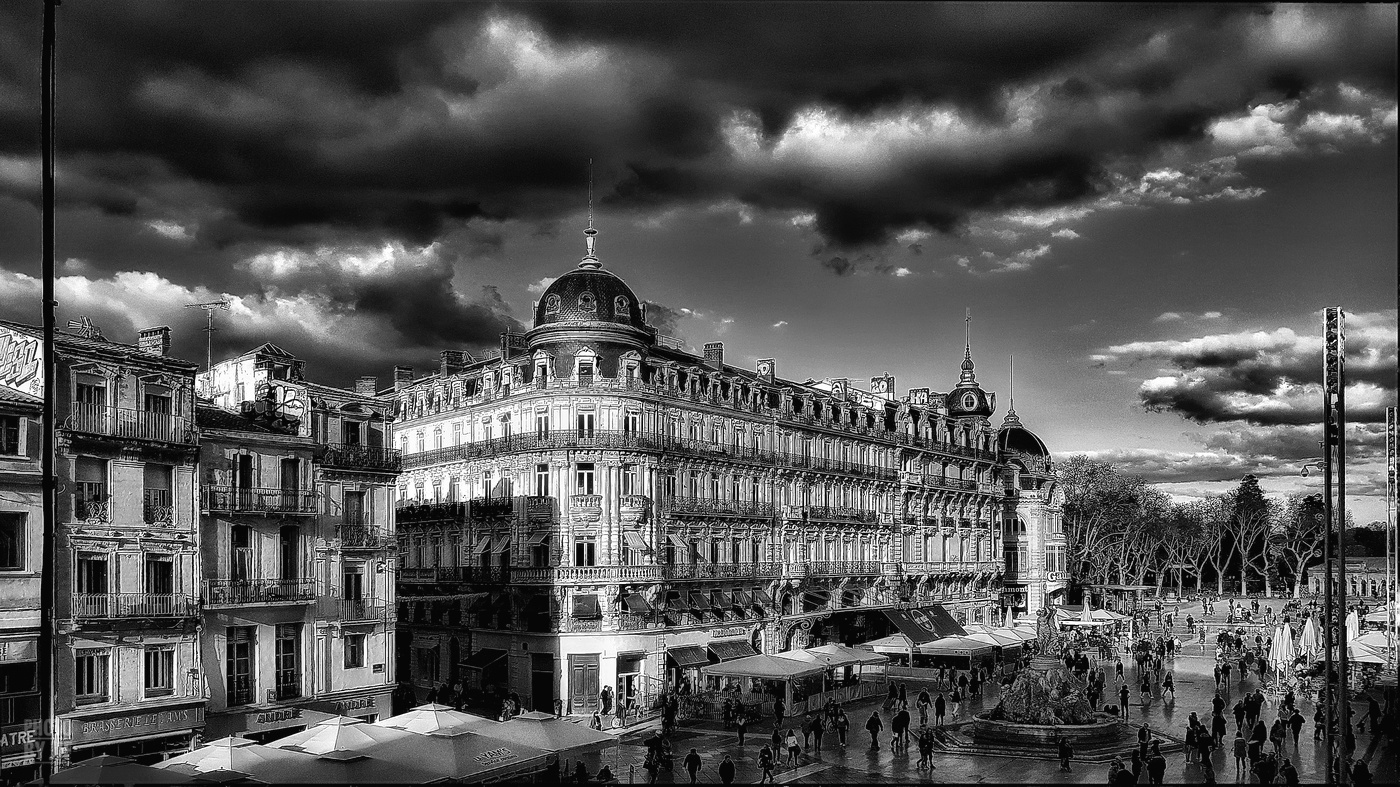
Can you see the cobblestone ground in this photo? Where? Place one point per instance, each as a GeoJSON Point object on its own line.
{"type": "Point", "coordinates": [857, 763]}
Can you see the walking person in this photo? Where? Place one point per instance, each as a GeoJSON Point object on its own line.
{"type": "Point", "coordinates": [842, 725]}
{"type": "Point", "coordinates": [1066, 754]}
{"type": "Point", "coordinates": [939, 710]}
{"type": "Point", "coordinates": [794, 748]}
{"type": "Point", "coordinates": [779, 710]}
{"type": "Point", "coordinates": [957, 701]}
{"type": "Point", "coordinates": [1241, 751]}
{"type": "Point", "coordinates": [743, 725]}
{"type": "Point", "coordinates": [873, 725]}
{"type": "Point", "coordinates": [692, 764]}
{"type": "Point", "coordinates": [1156, 767]}
{"type": "Point", "coordinates": [1295, 724]}
{"type": "Point", "coordinates": [1123, 695]}
{"type": "Point", "coordinates": [766, 763]}
{"type": "Point", "coordinates": [818, 730]}
{"type": "Point", "coordinates": [726, 770]}
{"type": "Point", "coordinates": [924, 703]}
{"type": "Point", "coordinates": [899, 729]}
{"type": "Point", "coordinates": [1168, 689]}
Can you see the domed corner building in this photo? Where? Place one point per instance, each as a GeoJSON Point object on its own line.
{"type": "Point", "coordinates": [1037, 573]}
{"type": "Point", "coordinates": [592, 506]}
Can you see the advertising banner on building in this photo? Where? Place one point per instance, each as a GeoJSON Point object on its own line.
{"type": "Point", "coordinates": [21, 362]}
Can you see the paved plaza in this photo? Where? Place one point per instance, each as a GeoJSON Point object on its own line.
{"type": "Point", "coordinates": [856, 763]}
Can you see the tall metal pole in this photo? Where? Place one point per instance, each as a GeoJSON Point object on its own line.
{"type": "Point", "coordinates": [1328, 638]}
{"type": "Point", "coordinates": [1343, 698]}
{"type": "Point", "coordinates": [49, 460]}
{"type": "Point", "coordinates": [1392, 559]}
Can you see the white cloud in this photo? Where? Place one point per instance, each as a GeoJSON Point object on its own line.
{"type": "Point", "coordinates": [1168, 317]}
{"type": "Point", "coordinates": [902, 272]}
{"type": "Point", "coordinates": [541, 285]}
{"type": "Point", "coordinates": [170, 229]}
{"type": "Point", "coordinates": [1066, 233]}
{"type": "Point", "coordinates": [780, 323]}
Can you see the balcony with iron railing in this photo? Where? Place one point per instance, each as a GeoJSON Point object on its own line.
{"type": "Point", "coordinates": [354, 456]}
{"type": "Point", "coordinates": [688, 571]}
{"type": "Point", "coordinates": [357, 532]}
{"type": "Point", "coordinates": [91, 503]}
{"type": "Point", "coordinates": [120, 422]}
{"type": "Point", "coordinates": [157, 507]}
{"type": "Point", "coordinates": [831, 514]}
{"type": "Point", "coordinates": [705, 506]}
{"type": "Point", "coordinates": [355, 610]}
{"type": "Point", "coordinates": [239, 592]}
{"type": "Point", "coordinates": [115, 606]}
{"type": "Point", "coordinates": [257, 500]}
{"type": "Point", "coordinates": [587, 574]}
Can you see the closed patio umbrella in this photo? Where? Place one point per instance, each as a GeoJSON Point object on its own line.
{"type": "Point", "coordinates": [1353, 625]}
{"type": "Point", "coordinates": [1311, 640]}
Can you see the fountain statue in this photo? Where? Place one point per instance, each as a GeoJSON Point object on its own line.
{"type": "Point", "coordinates": [1045, 692]}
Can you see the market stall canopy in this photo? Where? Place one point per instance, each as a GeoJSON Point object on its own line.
{"type": "Point", "coordinates": [894, 643]}
{"type": "Point", "coordinates": [340, 733]}
{"type": "Point", "coordinates": [954, 646]}
{"type": "Point", "coordinates": [808, 657]}
{"type": "Point", "coordinates": [849, 656]}
{"type": "Point", "coordinates": [925, 624]}
{"type": "Point", "coordinates": [762, 666]}
{"type": "Point", "coordinates": [293, 767]}
{"type": "Point", "coordinates": [544, 732]}
{"type": "Point", "coordinates": [1376, 640]}
{"type": "Point", "coordinates": [107, 769]}
{"type": "Point", "coordinates": [431, 719]}
{"type": "Point", "coordinates": [224, 754]}
{"type": "Point", "coordinates": [469, 756]}
{"type": "Point", "coordinates": [998, 639]}
{"type": "Point", "coordinates": [1021, 633]}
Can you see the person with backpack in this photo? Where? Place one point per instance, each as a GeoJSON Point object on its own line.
{"type": "Point", "coordinates": [873, 725]}
{"type": "Point", "coordinates": [899, 727]}
{"type": "Point", "coordinates": [794, 749]}
{"type": "Point", "coordinates": [818, 730]}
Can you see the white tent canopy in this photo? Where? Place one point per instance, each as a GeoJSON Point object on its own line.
{"type": "Point", "coordinates": [763, 666]}
{"type": "Point", "coordinates": [849, 656]}
{"type": "Point", "coordinates": [954, 646]}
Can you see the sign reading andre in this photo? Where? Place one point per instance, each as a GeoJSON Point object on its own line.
{"type": "Point", "coordinates": [21, 362]}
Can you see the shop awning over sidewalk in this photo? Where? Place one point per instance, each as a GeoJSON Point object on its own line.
{"type": "Point", "coordinates": [925, 624]}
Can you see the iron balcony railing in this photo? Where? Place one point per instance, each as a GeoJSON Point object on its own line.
{"type": "Point", "coordinates": [132, 424]}
{"type": "Point", "coordinates": [108, 606]}
{"type": "Point", "coordinates": [359, 536]}
{"type": "Point", "coordinates": [831, 514]}
{"type": "Point", "coordinates": [157, 508]}
{"type": "Point", "coordinates": [352, 610]}
{"type": "Point", "coordinates": [759, 570]}
{"type": "Point", "coordinates": [91, 503]}
{"type": "Point", "coordinates": [705, 506]}
{"type": "Point", "coordinates": [492, 575]}
{"type": "Point", "coordinates": [257, 500]}
{"type": "Point", "coordinates": [568, 574]}
{"type": "Point", "coordinates": [233, 592]}
{"type": "Point", "coordinates": [362, 457]}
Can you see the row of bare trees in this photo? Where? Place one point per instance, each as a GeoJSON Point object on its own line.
{"type": "Point", "coordinates": [1122, 530]}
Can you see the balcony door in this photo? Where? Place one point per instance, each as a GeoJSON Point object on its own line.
{"type": "Point", "coordinates": [289, 544]}
{"type": "Point", "coordinates": [241, 553]}
{"type": "Point", "coordinates": [290, 483]}
{"type": "Point", "coordinates": [238, 666]}
{"type": "Point", "coordinates": [352, 431]}
{"type": "Point", "coordinates": [160, 585]}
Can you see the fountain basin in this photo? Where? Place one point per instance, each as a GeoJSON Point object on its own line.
{"type": "Point", "coordinates": [1104, 729]}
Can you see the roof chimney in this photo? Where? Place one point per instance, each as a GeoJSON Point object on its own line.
{"type": "Point", "coordinates": [452, 361]}
{"type": "Point", "coordinates": [403, 377]}
{"type": "Point", "coordinates": [714, 354]}
{"type": "Point", "coordinates": [367, 386]}
{"type": "Point", "coordinates": [154, 341]}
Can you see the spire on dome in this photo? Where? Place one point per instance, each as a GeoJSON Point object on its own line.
{"type": "Point", "coordinates": [590, 258]}
{"type": "Point", "coordinates": [1011, 418]}
{"type": "Point", "coordinates": [967, 377]}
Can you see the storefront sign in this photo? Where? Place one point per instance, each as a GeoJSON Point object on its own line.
{"type": "Point", "coordinates": [495, 757]}
{"type": "Point", "coordinates": [19, 739]}
{"type": "Point", "coordinates": [359, 703]}
{"type": "Point", "coordinates": [16, 650]}
{"type": "Point", "coordinates": [21, 360]}
{"type": "Point", "coordinates": [1056, 576]}
{"type": "Point", "coordinates": [131, 725]}
{"type": "Point", "coordinates": [737, 631]}
{"type": "Point", "coordinates": [273, 718]}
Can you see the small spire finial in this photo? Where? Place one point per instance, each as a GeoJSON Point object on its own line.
{"type": "Point", "coordinates": [590, 257]}
{"type": "Point", "coordinates": [1011, 418]}
{"type": "Point", "coordinates": [967, 377]}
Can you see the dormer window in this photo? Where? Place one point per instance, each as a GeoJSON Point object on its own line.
{"type": "Point", "coordinates": [551, 304]}
{"type": "Point", "coordinates": [587, 302]}
{"type": "Point", "coordinates": [969, 401]}
{"type": "Point", "coordinates": [620, 306]}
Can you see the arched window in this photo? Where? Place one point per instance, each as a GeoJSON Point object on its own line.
{"type": "Point", "coordinates": [551, 304]}
{"type": "Point", "coordinates": [621, 306]}
{"type": "Point", "coordinates": [587, 302]}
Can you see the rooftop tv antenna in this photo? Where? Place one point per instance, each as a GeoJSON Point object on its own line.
{"type": "Point", "coordinates": [209, 309]}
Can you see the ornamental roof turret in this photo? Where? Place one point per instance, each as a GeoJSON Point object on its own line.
{"type": "Point", "coordinates": [967, 399]}
{"type": "Point", "coordinates": [1013, 435]}
{"type": "Point", "coordinates": [589, 294]}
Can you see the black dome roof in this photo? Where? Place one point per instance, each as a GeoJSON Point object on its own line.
{"type": "Point", "coordinates": [589, 295]}
{"type": "Point", "coordinates": [1019, 438]}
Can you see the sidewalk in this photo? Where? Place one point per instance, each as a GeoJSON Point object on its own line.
{"type": "Point", "coordinates": [858, 764]}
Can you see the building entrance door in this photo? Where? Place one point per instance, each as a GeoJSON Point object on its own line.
{"type": "Point", "coordinates": [542, 682]}
{"type": "Point", "coordinates": [583, 683]}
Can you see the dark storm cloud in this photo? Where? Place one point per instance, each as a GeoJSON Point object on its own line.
{"type": "Point", "coordinates": [352, 118]}
{"type": "Point", "coordinates": [1266, 378]}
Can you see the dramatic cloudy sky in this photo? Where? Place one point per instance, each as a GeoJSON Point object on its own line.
{"type": "Point", "coordinates": [1149, 205]}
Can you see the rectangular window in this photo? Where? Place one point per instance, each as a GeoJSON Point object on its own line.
{"type": "Point", "coordinates": [355, 650]}
{"type": "Point", "coordinates": [160, 671]}
{"type": "Point", "coordinates": [505, 427]}
{"type": "Point", "coordinates": [583, 479]}
{"type": "Point", "coordinates": [91, 676]}
{"type": "Point", "coordinates": [714, 551]}
{"type": "Point", "coordinates": [485, 483]}
{"type": "Point", "coordinates": [486, 433]}
{"type": "Point", "coordinates": [585, 371]}
{"type": "Point", "coordinates": [542, 480]}
{"type": "Point", "coordinates": [241, 552]}
{"type": "Point", "coordinates": [714, 486]}
{"type": "Point", "coordinates": [457, 433]}
{"type": "Point", "coordinates": [437, 491]}
{"type": "Point", "coordinates": [160, 575]}
{"type": "Point", "coordinates": [91, 574]}
{"type": "Point", "coordinates": [585, 425]}
{"type": "Point", "coordinates": [157, 505]}
{"type": "Point", "coordinates": [669, 485]}
{"type": "Point", "coordinates": [10, 426]}
{"type": "Point", "coordinates": [238, 665]}
{"type": "Point", "coordinates": [157, 400]}
{"type": "Point", "coordinates": [91, 391]}
{"type": "Point", "coordinates": [12, 527]}
{"type": "Point", "coordinates": [584, 554]}
{"type": "Point", "coordinates": [353, 508]}
{"type": "Point", "coordinates": [90, 498]}
{"type": "Point", "coordinates": [539, 553]}
{"type": "Point", "coordinates": [353, 578]}
{"type": "Point", "coordinates": [632, 423]}
{"type": "Point", "coordinates": [287, 661]}
{"type": "Point", "coordinates": [542, 426]}
{"type": "Point", "coordinates": [352, 432]}
{"type": "Point", "coordinates": [630, 485]}
{"type": "Point", "coordinates": [289, 550]}
{"type": "Point", "coordinates": [454, 489]}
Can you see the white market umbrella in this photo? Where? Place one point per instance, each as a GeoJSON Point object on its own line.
{"type": "Point", "coordinates": [1281, 654]}
{"type": "Point", "coordinates": [1310, 642]}
{"type": "Point", "coordinates": [1353, 625]}
{"type": "Point", "coordinates": [431, 719]}
{"type": "Point", "coordinates": [224, 754]}
{"type": "Point", "coordinates": [1376, 640]}
{"type": "Point", "coordinates": [1088, 614]}
{"type": "Point", "coordinates": [1006, 619]}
